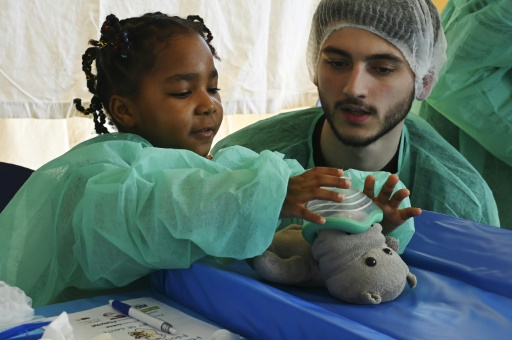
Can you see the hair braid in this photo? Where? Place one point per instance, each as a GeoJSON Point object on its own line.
{"type": "Point", "coordinates": [111, 35]}
{"type": "Point", "coordinates": [96, 107]}
{"type": "Point", "coordinates": [87, 59]}
{"type": "Point", "coordinates": [207, 34]}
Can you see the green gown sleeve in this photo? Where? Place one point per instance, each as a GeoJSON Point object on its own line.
{"type": "Point", "coordinates": [108, 213]}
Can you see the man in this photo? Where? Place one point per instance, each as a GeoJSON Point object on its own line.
{"type": "Point", "coordinates": [471, 104]}
{"type": "Point", "coordinates": [369, 60]}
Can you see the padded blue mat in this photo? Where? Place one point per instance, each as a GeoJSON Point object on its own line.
{"type": "Point", "coordinates": [464, 291]}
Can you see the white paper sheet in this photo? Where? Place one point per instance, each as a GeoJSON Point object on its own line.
{"type": "Point", "coordinates": [94, 323]}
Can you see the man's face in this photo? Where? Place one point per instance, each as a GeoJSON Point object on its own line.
{"type": "Point", "coordinates": [365, 85]}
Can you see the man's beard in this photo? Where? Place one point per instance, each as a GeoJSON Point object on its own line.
{"type": "Point", "coordinates": [396, 115]}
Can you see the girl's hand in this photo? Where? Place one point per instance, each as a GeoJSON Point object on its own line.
{"type": "Point", "coordinates": [393, 216]}
{"type": "Point", "coordinates": [307, 186]}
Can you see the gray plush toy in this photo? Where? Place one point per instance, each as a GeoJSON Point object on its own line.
{"type": "Point", "coordinates": [362, 268]}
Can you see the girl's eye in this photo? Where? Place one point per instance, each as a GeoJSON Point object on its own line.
{"type": "Point", "coordinates": [213, 90]}
{"type": "Point", "coordinates": [180, 95]}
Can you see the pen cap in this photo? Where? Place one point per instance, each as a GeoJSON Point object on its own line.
{"type": "Point", "coordinates": [118, 305]}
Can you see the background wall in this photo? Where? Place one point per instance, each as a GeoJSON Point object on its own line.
{"type": "Point", "coordinates": [440, 4]}
{"type": "Point", "coordinates": [262, 45]}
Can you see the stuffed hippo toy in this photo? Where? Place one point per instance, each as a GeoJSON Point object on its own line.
{"type": "Point", "coordinates": [361, 268]}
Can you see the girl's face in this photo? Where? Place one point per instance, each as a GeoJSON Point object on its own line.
{"type": "Point", "coordinates": [178, 105]}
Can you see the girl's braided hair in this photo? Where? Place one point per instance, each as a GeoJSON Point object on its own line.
{"type": "Point", "coordinates": [125, 53]}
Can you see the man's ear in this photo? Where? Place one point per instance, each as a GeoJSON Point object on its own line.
{"type": "Point", "coordinates": [120, 110]}
{"type": "Point", "coordinates": [428, 82]}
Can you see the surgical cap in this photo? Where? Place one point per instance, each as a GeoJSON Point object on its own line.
{"type": "Point", "coordinates": [412, 26]}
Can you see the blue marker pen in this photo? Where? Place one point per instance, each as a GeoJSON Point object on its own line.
{"type": "Point", "coordinates": [141, 316]}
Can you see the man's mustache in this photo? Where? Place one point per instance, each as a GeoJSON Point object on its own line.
{"type": "Point", "coordinates": [354, 105]}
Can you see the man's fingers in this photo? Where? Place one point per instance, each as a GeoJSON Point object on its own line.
{"type": "Point", "coordinates": [407, 213]}
{"type": "Point", "coordinates": [369, 187]}
{"type": "Point", "coordinates": [387, 189]}
{"type": "Point", "coordinates": [398, 197]}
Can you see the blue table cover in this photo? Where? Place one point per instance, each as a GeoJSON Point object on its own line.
{"type": "Point", "coordinates": [464, 291]}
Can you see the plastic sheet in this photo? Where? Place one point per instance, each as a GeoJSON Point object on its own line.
{"type": "Point", "coordinates": [464, 291]}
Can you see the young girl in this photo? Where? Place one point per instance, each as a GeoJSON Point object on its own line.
{"type": "Point", "coordinates": [121, 205]}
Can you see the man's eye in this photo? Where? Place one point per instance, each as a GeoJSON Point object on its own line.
{"type": "Point", "coordinates": [336, 63]}
{"type": "Point", "coordinates": [384, 70]}
{"type": "Point", "coordinates": [213, 90]}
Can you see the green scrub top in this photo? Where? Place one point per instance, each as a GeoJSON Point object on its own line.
{"type": "Point", "coordinates": [114, 208]}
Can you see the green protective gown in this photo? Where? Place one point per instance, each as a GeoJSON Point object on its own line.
{"type": "Point", "coordinates": [471, 105]}
{"type": "Point", "coordinates": [113, 209]}
{"type": "Point", "coordinates": [440, 178]}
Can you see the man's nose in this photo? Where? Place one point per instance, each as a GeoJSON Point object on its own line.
{"type": "Point", "coordinates": [357, 82]}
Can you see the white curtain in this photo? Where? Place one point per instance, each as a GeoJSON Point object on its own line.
{"type": "Point", "coordinates": [262, 45]}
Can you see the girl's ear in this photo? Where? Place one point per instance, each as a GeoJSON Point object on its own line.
{"type": "Point", "coordinates": [120, 110]}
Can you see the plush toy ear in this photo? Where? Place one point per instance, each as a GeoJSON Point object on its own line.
{"type": "Point", "coordinates": [411, 280]}
{"type": "Point", "coordinates": [393, 243]}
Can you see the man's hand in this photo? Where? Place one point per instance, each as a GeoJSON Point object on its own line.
{"type": "Point", "coordinates": [393, 216]}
